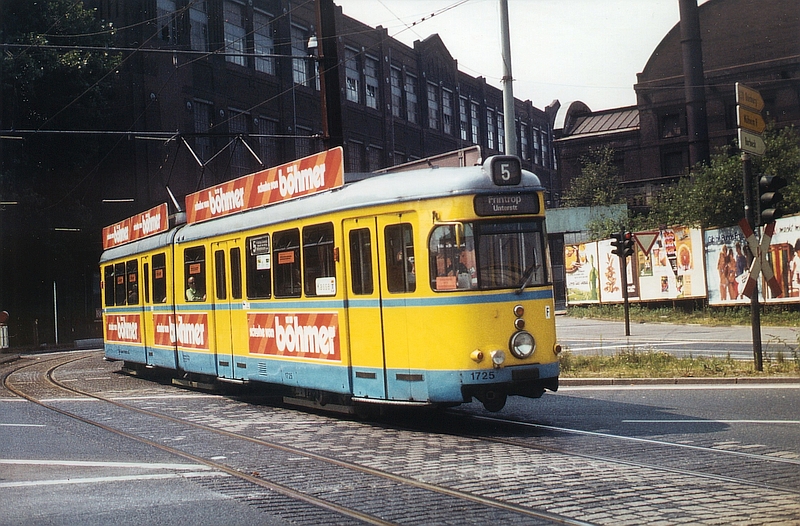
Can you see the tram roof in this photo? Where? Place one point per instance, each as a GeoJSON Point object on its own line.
{"type": "Point", "coordinates": [365, 190]}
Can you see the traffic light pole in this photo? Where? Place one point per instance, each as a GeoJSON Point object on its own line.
{"type": "Point", "coordinates": [749, 215]}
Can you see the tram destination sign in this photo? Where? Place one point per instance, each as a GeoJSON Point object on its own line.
{"type": "Point", "coordinates": [506, 204]}
{"type": "Point", "coordinates": [306, 176]}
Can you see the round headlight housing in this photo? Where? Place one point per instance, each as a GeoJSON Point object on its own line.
{"type": "Point", "coordinates": [522, 344]}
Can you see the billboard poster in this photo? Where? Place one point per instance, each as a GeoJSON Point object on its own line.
{"type": "Point", "coordinates": [726, 262]}
{"type": "Point", "coordinates": [610, 277]}
{"type": "Point", "coordinates": [307, 335]}
{"type": "Point", "coordinates": [582, 273]}
{"type": "Point", "coordinates": [674, 267]}
{"type": "Point", "coordinates": [784, 256]}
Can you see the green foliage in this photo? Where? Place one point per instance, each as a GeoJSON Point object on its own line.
{"type": "Point", "coordinates": [713, 196]}
{"type": "Point", "coordinates": [598, 184]}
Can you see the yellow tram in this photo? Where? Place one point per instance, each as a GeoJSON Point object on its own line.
{"type": "Point", "coordinates": [425, 286]}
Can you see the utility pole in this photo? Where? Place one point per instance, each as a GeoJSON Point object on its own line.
{"type": "Point", "coordinates": [328, 70]}
{"type": "Point", "coordinates": [509, 122]}
{"type": "Point", "coordinates": [749, 216]}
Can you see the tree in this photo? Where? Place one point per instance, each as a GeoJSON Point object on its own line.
{"type": "Point", "coordinates": [713, 194]}
{"type": "Point", "coordinates": [598, 184]}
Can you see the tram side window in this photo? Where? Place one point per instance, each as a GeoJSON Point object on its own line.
{"type": "Point", "coordinates": [120, 290]}
{"type": "Point", "coordinates": [132, 281]}
{"type": "Point", "coordinates": [318, 264]}
{"type": "Point", "coordinates": [452, 258]}
{"type": "Point", "coordinates": [361, 261]}
{"type": "Point", "coordinates": [109, 284]}
{"type": "Point", "coordinates": [194, 269]}
{"type": "Point", "coordinates": [160, 278]}
{"type": "Point", "coordinates": [219, 264]}
{"type": "Point", "coordinates": [400, 266]}
{"type": "Point", "coordinates": [258, 263]}
{"type": "Point", "coordinates": [236, 273]}
{"type": "Point", "coordinates": [286, 255]}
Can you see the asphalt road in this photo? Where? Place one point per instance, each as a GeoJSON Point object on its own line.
{"type": "Point", "coordinates": [582, 336]}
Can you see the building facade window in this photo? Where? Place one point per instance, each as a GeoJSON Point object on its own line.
{"type": "Point", "coordinates": [371, 83]}
{"type": "Point", "coordinates": [268, 145]}
{"type": "Point", "coordinates": [167, 21]}
{"type": "Point", "coordinates": [672, 164]}
{"type": "Point", "coordinates": [374, 158]}
{"type": "Point", "coordinates": [202, 124]}
{"type": "Point", "coordinates": [545, 149]}
{"type": "Point", "coordinates": [447, 111]}
{"type": "Point", "coordinates": [234, 32]}
{"type": "Point", "coordinates": [433, 106]}
{"type": "Point", "coordinates": [475, 122]}
{"type": "Point", "coordinates": [490, 129]}
{"type": "Point", "coordinates": [537, 147]}
{"type": "Point", "coordinates": [671, 125]}
{"type": "Point", "coordinates": [523, 142]}
{"type": "Point", "coordinates": [397, 92]}
{"type": "Point", "coordinates": [198, 29]}
{"type": "Point", "coordinates": [354, 158]}
{"type": "Point", "coordinates": [301, 71]}
{"type": "Point", "coordinates": [237, 123]}
{"type": "Point", "coordinates": [411, 98]}
{"type": "Point", "coordinates": [304, 145]}
{"type": "Point", "coordinates": [501, 133]}
{"type": "Point", "coordinates": [351, 74]}
{"type": "Point", "coordinates": [263, 43]}
{"type": "Point", "coordinates": [463, 118]}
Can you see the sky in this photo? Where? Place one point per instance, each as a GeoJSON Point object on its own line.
{"type": "Point", "coordinates": [570, 50]}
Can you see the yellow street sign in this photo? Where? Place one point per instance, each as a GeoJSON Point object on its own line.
{"type": "Point", "coordinates": [749, 97]}
{"type": "Point", "coordinates": [750, 120]}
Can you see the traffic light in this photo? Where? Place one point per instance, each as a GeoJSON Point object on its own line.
{"type": "Point", "coordinates": [618, 243]}
{"type": "Point", "coordinates": [768, 186]}
{"type": "Point", "coordinates": [627, 244]}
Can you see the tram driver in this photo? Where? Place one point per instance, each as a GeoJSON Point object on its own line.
{"type": "Point", "coordinates": [192, 294]}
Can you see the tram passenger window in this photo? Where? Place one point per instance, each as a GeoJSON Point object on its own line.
{"type": "Point", "coordinates": [286, 255]}
{"type": "Point", "coordinates": [120, 290]}
{"type": "Point", "coordinates": [160, 278]}
{"type": "Point", "coordinates": [318, 261]}
{"type": "Point", "coordinates": [132, 281]}
{"type": "Point", "coordinates": [452, 258]}
{"type": "Point", "coordinates": [146, 276]}
{"type": "Point", "coordinates": [219, 264]}
{"type": "Point", "coordinates": [361, 261]}
{"type": "Point", "coordinates": [236, 273]}
{"type": "Point", "coordinates": [258, 263]}
{"type": "Point", "coordinates": [194, 270]}
{"type": "Point", "coordinates": [109, 284]}
{"type": "Point", "coordinates": [400, 266]}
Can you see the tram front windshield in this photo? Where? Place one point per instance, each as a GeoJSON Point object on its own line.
{"type": "Point", "coordinates": [487, 255]}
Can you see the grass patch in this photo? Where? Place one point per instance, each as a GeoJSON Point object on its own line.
{"type": "Point", "coordinates": [771, 315]}
{"type": "Point", "coordinates": [630, 363]}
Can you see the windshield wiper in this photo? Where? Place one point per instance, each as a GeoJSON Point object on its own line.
{"type": "Point", "coordinates": [527, 277]}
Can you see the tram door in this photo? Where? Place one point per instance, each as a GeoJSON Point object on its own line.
{"type": "Point", "coordinates": [378, 280]}
{"type": "Point", "coordinates": [227, 292]}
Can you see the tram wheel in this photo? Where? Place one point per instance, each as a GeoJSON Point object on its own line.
{"type": "Point", "coordinates": [494, 402]}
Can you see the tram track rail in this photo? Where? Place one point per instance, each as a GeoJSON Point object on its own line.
{"type": "Point", "coordinates": [475, 508]}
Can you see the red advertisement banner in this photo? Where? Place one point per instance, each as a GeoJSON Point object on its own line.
{"type": "Point", "coordinates": [299, 335]}
{"type": "Point", "coordinates": [123, 328]}
{"type": "Point", "coordinates": [189, 331]}
{"type": "Point", "coordinates": [309, 175]}
{"type": "Point", "coordinates": [149, 223]}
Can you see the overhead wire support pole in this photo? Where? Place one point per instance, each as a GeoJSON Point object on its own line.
{"type": "Point", "coordinates": [509, 122]}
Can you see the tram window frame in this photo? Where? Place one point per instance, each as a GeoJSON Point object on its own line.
{"type": "Point", "coordinates": [235, 257]}
{"type": "Point", "coordinates": [221, 287]}
{"type": "Point", "coordinates": [400, 265]}
{"type": "Point", "coordinates": [109, 284]}
{"type": "Point", "coordinates": [194, 266]}
{"type": "Point", "coordinates": [132, 281]}
{"type": "Point", "coordinates": [258, 267]}
{"type": "Point", "coordinates": [146, 276]}
{"type": "Point", "coordinates": [521, 242]}
{"type": "Point", "coordinates": [160, 289]}
{"type": "Point", "coordinates": [120, 287]}
{"type": "Point", "coordinates": [361, 269]}
{"type": "Point", "coordinates": [318, 259]}
{"type": "Point", "coordinates": [287, 277]}
{"type": "Point", "coordinates": [452, 262]}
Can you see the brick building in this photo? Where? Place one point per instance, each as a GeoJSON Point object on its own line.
{"type": "Point", "coordinates": [754, 42]}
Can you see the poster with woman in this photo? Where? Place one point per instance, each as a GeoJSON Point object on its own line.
{"type": "Point", "coordinates": [610, 277]}
{"type": "Point", "coordinates": [727, 266]}
{"type": "Point", "coordinates": [784, 256]}
{"type": "Point", "coordinates": [582, 273]}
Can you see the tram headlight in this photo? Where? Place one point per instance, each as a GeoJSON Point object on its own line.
{"type": "Point", "coordinates": [522, 344]}
{"type": "Point", "coordinates": [498, 357]}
